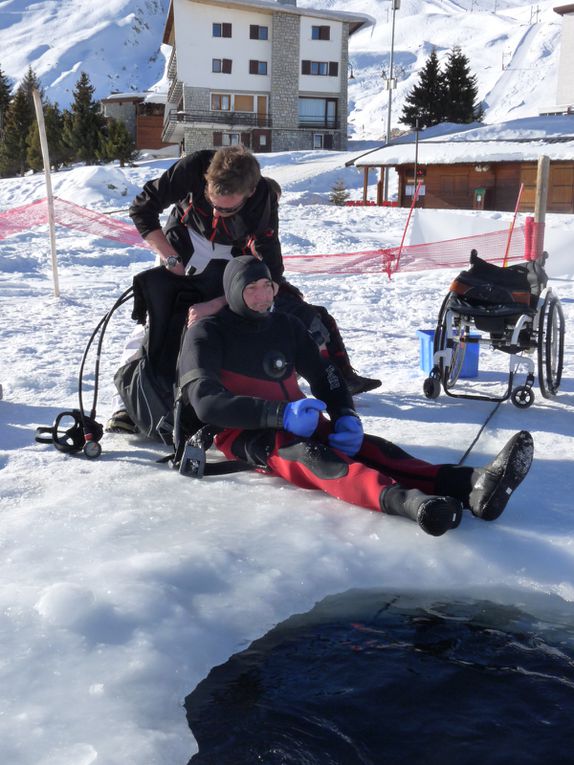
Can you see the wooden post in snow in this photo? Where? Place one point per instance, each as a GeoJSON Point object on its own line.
{"type": "Point", "coordinates": [49, 195]}
{"type": "Point", "coordinates": [540, 204]}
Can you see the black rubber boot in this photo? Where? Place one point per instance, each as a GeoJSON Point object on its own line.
{"type": "Point", "coordinates": [359, 384]}
{"type": "Point", "coordinates": [435, 515]}
{"type": "Point", "coordinates": [492, 485]}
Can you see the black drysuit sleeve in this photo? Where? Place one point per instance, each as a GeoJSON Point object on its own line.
{"type": "Point", "coordinates": [171, 188]}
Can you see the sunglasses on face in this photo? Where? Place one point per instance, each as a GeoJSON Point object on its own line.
{"type": "Point", "coordinates": [225, 210]}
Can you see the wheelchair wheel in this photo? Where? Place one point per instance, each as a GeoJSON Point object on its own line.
{"type": "Point", "coordinates": [522, 397]}
{"type": "Point", "coordinates": [449, 373]}
{"type": "Point", "coordinates": [550, 346]}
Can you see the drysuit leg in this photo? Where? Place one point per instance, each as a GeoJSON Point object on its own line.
{"type": "Point", "coordinates": [307, 463]}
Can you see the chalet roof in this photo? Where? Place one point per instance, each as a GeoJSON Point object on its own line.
{"type": "Point", "coordinates": [149, 96]}
{"type": "Point", "coordinates": [514, 141]}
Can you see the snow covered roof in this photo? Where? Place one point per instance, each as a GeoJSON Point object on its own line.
{"type": "Point", "coordinates": [149, 96]}
{"type": "Point", "coordinates": [514, 141]}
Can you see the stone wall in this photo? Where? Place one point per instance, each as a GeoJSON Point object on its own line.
{"type": "Point", "coordinates": [284, 105]}
{"type": "Point", "coordinates": [123, 111]}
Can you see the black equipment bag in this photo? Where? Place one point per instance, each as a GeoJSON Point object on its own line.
{"type": "Point", "coordinates": [146, 384]}
{"type": "Point", "coordinates": [518, 285]}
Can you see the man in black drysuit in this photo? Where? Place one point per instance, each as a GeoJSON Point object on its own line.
{"type": "Point", "coordinates": [238, 370]}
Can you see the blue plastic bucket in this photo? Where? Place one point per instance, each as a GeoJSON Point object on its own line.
{"type": "Point", "coordinates": [426, 341]}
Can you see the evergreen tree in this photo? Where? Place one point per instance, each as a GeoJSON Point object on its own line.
{"type": "Point", "coordinates": [54, 123]}
{"type": "Point", "coordinates": [339, 193]}
{"type": "Point", "coordinates": [426, 100]}
{"type": "Point", "coordinates": [84, 123]}
{"type": "Point", "coordinates": [29, 83]}
{"type": "Point", "coordinates": [460, 89]}
{"type": "Point", "coordinates": [117, 143]}
{"type": "Point", "coordinates": [5, 96]}
{"type": "Point", "coordinates": [16, 126]}
{"type": "Point", "coordinates": [20, 117]}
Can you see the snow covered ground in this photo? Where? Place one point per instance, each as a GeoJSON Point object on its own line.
{"type": "Point", "coordinates": [122, 583]}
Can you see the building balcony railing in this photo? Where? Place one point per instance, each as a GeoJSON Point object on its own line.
{"type": "Point", "coordinates": [223, 119]}
{"type": "Point", "coordinates": [172, 65]}
{"type": "Point", "coordinates": [319, 121]}
{"type": "Point", "coordinates": [174, 91]}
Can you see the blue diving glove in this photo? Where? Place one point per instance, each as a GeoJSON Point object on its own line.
{"type": "Point", "coordinates": [301, 417]}
{"type": "Point", "coordinates": [347, 435]}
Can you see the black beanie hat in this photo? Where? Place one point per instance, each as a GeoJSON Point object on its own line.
{"type": "Point", "coordinates": [238, 273]}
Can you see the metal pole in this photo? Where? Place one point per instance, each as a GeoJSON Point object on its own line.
{"type": "Point", "coordinates": [396, 4]}
{"type": "Point", "coordinates": [49, 195]}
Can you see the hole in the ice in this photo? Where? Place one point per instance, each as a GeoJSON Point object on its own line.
{"type": "Point", "coordinates": [369, 677]}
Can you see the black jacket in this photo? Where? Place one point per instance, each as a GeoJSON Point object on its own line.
{"type": "Point", "coordinates": [238, 373]}
{"type": "Point", "coordinates": [183, 185]}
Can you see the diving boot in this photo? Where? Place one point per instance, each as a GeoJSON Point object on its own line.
{"type": "Point", "coordinates": [121, 422]}
{"type": "Point", "coordinates": [495, 482]}
{"type": "Point", "coordinates": [435, 515]}
{"type": "Point", "coordinates": [358, 384]}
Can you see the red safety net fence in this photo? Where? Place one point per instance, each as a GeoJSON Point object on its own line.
{"type": "Point", "coordinates": [451, 253]}
{"type": "Point", "coordinates": [69, 215]}
{"type": "Point", "coordinates": [496, 246]}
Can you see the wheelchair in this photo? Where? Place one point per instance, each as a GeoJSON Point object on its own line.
{"type": "Point", "coordinates": [512, 310]}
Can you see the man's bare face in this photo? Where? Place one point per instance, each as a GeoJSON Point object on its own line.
{"type": "Point", "coordinates": [258, 296]}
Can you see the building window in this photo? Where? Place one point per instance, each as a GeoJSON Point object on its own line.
{"type": "Point", "coordinates": [221, 30]}
{"type": "Point", "coordinates": [320, 33]}
{"type": "Point", "coordinates": [322, 141]}
{"type": "Point", "coordinates": [257, 67]}
{"type": "Point", "coordinates": [322, 68]}
{"type": "Point", "coordinates": [230, 139]}
{"type": "Point", "coordinates": [220, 102]}
{"type": "Point", "coordinates": [318, 112]}
{"type": "Point", "coordinates": [227, 102]}
{"type": "Point", "coordinates": [258, 33]}
{"type": "Point", "coordinates": [221, 65]}
{"type": "Point", "coordinates": [243, 103]}
{"type": "Point", "coordinates": [262, 140]}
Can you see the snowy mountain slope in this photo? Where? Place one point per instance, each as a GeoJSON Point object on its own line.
{"type": "Point", "coordinates": [118, 44]}
{"type": "Point", "coordinates": [528, 52]}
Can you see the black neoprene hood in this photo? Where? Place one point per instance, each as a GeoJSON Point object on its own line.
{"type": "Point", "coordinates": [238, 273]}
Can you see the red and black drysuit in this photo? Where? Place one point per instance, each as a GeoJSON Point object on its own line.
{"type": "Point", "coordinates": [238, 373]}
{"type": "Point", "coordinates": [254, 229]}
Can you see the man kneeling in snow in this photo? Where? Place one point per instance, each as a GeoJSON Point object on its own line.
{"type": "Point", "coordinates": [238, 370]}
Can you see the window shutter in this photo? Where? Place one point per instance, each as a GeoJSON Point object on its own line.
{"type": "Point", "coordinates": [333, 68]}
{"type": "Point", "coordinates": [252, 67]}
{"type": "Point", "coordinates": [253, 32]}
{"type": "Point", "coordinates": [217, 139]}
{"type": "Point", "coordinates": [226, 65]}
{"type": "Point", "coordinates": [324, 33]}
{"type": "Point", "coordinates": [226, 30]}
{"type": "Point", "coordinates": [246, 139]}
{"type": "Point", "coordinates": [305, 67]}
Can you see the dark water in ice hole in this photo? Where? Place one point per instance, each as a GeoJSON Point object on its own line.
{"type": "Point", "coordinates": [372, 678]}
